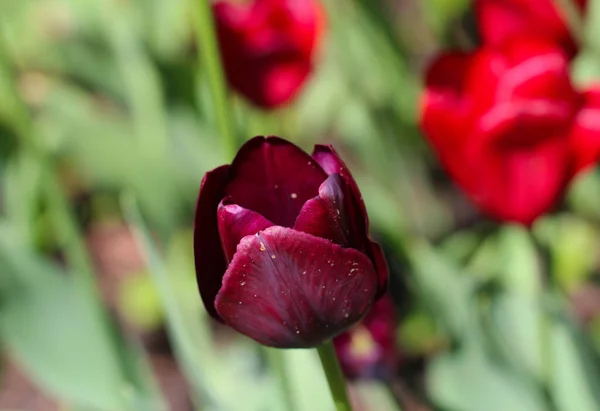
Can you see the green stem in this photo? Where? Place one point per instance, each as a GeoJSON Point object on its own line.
{"type": "Point", "coordinates": [211, 60]}
{"type": "Point", "coordinates": [335, 377]}
{"type": "Point", "coordinates": [573, 18]}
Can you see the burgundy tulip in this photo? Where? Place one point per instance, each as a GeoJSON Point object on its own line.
{"type": "Point", "coordinates": [502, 20]}
{"type": "Point", "coordinates": [509, 127]}
{"type": "Point", "coordinates": [281, 245]}
{"type": "Point", "coordinates": [368, 350]}
{"type": "Point", "coordinates": [268, 46]}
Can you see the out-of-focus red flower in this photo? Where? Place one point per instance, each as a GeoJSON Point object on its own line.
{"type": "Point", "coordinates": [281, 245]}
{"type": "Point", "coordinates": [368, 350]}
{"type": "Point", "coordinates": [502, 20]}
{"type": "Point", "coordinates": [586, 135]}
{"type": "Point", "coordinates": [509, 127]}
{"type": "Point", "coordinates": [268, 46]}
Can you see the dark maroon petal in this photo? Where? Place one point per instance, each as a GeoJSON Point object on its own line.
{"type": "Point", "coordinates": [322, 215]}
{"type": "Point", "coordinates": [368, 350]}
{"type": "Point", "coordinates": [329, 160]}
{"type": "Point", "coordinates": [208, 256]}
{"type": "Point", "coordinates": [236, 222]}
{"type": "Point", "coordinates": [289, 289]}
{"type": "Point", "coordinates": [381, 267]}
{"type": "Point", "coordinates": [274, 178]}
{"type": "Point", "coordinates": [332, 215]}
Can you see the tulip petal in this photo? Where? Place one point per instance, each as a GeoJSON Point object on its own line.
{"type": "Point", "coordinates": [502, 20]}
{"type": "Point", "coordinates": [289, 289]}
{"type": "Point", "coordinates": [236, 222]}
{"type": "Point", "coordinates": [334, 215]}
{"type": "Point", "coordinates": [445, 110]}
{"type": "Point", "coordinates": [381, 266]}
{"type": "Point", "coordinates": [274, 178]}
{"type": "Point", "coordinates": [209, 258]}
{"type": "Point", "coordinates": [331, 162]}
{"type": "Point", "coordinates": [369, 349]}
{"type": "Point", "coordinates": [520, 178]}
{"type": "Point", "coordinates": [585, 136]}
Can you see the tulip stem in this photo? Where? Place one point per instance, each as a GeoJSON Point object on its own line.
{"type": "Point", "coordinates": [211, 62]}
{"type": "Point", "coordinates": [335, 377]}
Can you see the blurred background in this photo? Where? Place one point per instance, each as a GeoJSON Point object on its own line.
{"type": "Point", "coordinates": [106, 129]}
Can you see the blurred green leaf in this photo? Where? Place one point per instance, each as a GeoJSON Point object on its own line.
{"type": "Point", "coordinates": [310, 389]}
{"type": "Point", "coordinates": [467, 380]}
{"type": "Point", "coordinates": [139, 301]}
{"type": "Point", "coordinates": [50, 329]}
{"type": "Point", "coordinates": [444, 288]}
{"type": "Point", "coordinates": [520, 267]}
{"type": "Point", "coordinates": [573, 242]}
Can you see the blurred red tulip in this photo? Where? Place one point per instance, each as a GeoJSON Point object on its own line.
{"type": "Point", "coordinates": [268, 46]}
{"type": "Point", "coordinates": [369, 350]}
{"type": "Point", "coordinates": [509, 127]}
{"type": "Point", "coordinates": [281, 245]}
{"type": "Point", "coordinates": [502, 20]}
{"type": "Point", "coordinates": [586, 134]}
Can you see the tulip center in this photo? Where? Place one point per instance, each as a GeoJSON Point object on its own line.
{"type": "Point", "coordinates": [362, 344]}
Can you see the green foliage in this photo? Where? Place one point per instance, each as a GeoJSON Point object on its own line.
{"type": "Point", "coordinates": [117, 107]}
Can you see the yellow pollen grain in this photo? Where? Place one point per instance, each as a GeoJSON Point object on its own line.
{"type": "Point", "coordinates": [262, 246]}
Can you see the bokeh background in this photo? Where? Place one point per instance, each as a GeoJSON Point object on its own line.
{"type": "Point", "coordinates": [106, 129]}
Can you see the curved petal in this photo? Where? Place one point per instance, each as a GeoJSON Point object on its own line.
{"type": "Point", "coordinates": [381, 266]}
{"type": "Point", "coordinates": [236, 222]}
{"type": "Point", "coordinates": [324, 216]}
{"type": "Point", "coordinates": [209, 258]}
{"type": "Point", "coordinates": [535, 69]}
{"type": "Point", "coordinates": [289, 289]}
{"type": "Point", "coordinates": [267, 47]}
{"type": "Point", "coordinates": [518, 179]}
{"type": "Point", "coordinates": [502, 20]}
{"type": "Point", "coordinates": [369, 349]}
{"type": "Point", "coordinates": [333, 215]}
{"type": "Point", "coordinates": [585, 136]}
{"type": "Point", "coordinates": [274, 178]}
{"type": "Point", "coordinates": [331, 162]}
{"type": "Point", "coordinates": [445, 110]}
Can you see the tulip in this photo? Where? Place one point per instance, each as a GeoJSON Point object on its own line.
{"type": "Point", "coordinates": [502, 20]}
{"type": "Point", "coordinates": [509, 127]}
{"type": "Point", "coordinates": [281, 245]}
{"type": "Point", "coordinates": [268, 46]}
{"type": "Point", "coordinates": [368, 350]}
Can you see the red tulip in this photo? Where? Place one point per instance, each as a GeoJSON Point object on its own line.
{"type": "Point", "coordinates": [502, 20]}
{"type": "Point", "coordinates": [268, 46]}
{"type": "Point", "coordinates": [586, 135]}
{"type": "Point", "coordinates": [368, 350]}
{"type": "Point", "coordinates": [508, 126]}
{"type": "Point", "coordinates": [281, 245]}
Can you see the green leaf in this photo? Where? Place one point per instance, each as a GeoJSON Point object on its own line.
{"type": "Point", "coordinates": [50, 329]}
{"type": "Point", "coordinates": [467, 380]}
{"type": "Point", "coordinates": [520, 267]}
{"type": "Point", "coordinates": [445, 289]}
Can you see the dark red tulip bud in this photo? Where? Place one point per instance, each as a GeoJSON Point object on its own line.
{"type": "Point", "coordinates": [368, 350]}
{"type": "Point", "coordinates": [502, 20]}
{"type": "Point", "coordinates": [509, 127]}
{"type": "Point", "coordinates": [281, 245]}
{"type": "Point", "coordinates": [268, 46]}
